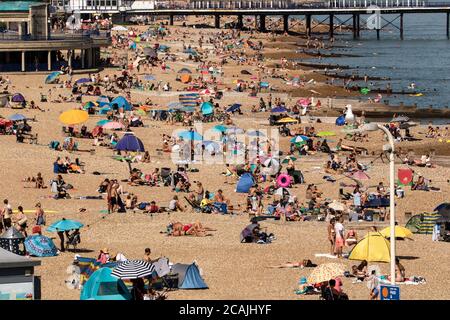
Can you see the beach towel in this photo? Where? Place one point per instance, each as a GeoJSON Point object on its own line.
{"type": "Point", "coordinates": [325, 255]}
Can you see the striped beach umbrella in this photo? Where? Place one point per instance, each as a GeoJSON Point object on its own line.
{"type": "Point", "coordinates": [40, 246]}
{"type": "Point", "coordinates": [133, 269]}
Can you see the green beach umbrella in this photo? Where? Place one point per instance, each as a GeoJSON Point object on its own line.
{"type": "Point", "coordinates": [364, 90]}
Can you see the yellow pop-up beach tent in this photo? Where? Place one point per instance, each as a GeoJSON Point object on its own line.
{"type": "Point", "coordinates": [400, 232]}
{"type": "Point", "coordinates": [287, 120]}
{"type": "Point", "coordinates": [374, 247]}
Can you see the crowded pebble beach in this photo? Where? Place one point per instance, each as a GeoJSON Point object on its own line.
{"type": "Point", "coordinates": [214, 146]}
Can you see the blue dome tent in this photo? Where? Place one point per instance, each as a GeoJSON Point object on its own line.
{"type": "Point", "coordinates": [121, 102]}
{"type": "Point", "coordinates": [245, 183]}
{"type": "Point", "coordinates": [103, 286]}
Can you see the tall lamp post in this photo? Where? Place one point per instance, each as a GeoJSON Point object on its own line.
{"type": "Point", "coordinates": [374, 127]}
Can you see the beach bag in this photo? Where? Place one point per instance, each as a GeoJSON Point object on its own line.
{"type": "Point", "coordinates": [143, 205]}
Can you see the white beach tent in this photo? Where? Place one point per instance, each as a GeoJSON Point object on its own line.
{"type": "Point", "coordinates": [119, 28]}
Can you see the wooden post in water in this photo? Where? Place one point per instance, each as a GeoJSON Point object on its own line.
{"type": "Point", "coordinates": [378, 34]}
{"type": "Point", "coordinates": [401, 26]}
{"type": "Point", "coordinates": [308, 25]}
{"type": "Point", "coordinates": [331, 26]}
{"type": "Point", "coordinates": [358, 26]}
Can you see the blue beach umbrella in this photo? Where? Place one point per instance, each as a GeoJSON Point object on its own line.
{"type": "Point", "coordinates": [130, 142]}
{"type": "Point", "coordinates": [17, 117]}
{"type": "Point", "coordinates": [65, 225]}
{"type": "Point", "coordinates": [278, 110]}
{"type": "Point", "coordinates": [190, 135]}
{"type": "Point", "coordinates": [234, 107]}
{"type": "Point", "coordinates": [299, 139]}
{"type": "Point", "coordinates": [83, 80]}
{"type": "Point", "coordinates": [220, 128]}
{"type": "Point", "coordinates": [40, 246]}
{"type": "Point", "coordinates": [52, 77]}
{"type": "Point", "coordinates": [255, 133]}
{"type": "Point", "coordinates": [264, 84]}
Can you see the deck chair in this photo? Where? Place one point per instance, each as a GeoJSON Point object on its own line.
{"type": "Point", "coordinates": [194, 204]}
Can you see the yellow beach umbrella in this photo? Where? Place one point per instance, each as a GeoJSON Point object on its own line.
{"type": "Point", "coordinates": [325, 272]}
{"type": "Point", "coordinates": [374, 247]}
{"type": "Point", "coordinates": [74, 116]}
{"type": "Point", "coordinates": [400, 232]}
{"type": "Point", "coordinates": [287, 120]}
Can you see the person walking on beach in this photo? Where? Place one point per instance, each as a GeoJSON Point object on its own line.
{"type": "Point", "coordinates": [332, 235]}
{"type": "Point", "coordinates": [340, 236]}
{"type": "Point", "coordinates": [39, 215]}
{"type": "Point", "coordinates": [7, 213]}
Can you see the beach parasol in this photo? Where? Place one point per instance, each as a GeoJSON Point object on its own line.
{"type": "Point", "coordinates": [83, 80]}
{"type": "Point", "coordinates": [113, 125]}
{"type": "Point", "coordinates": [372, 248]}
{"type": "Point", "coordinates": [255, 133]}
{"type": "Point", "coordinates": [17, 117]}
{"type": "Point", "coordinates": [234, 130]}
{"type": "Point", "coordinates": [74, 116]}
{"type": "Point", "coordinates": [130, 142]}
{"type": "Point", "coordinates": [119, 28]}
{"type": "Point", "coordinates": [234, 107]}
{"type": "Point", "coordinates": [337, 206]}
{"type": "Point", "coordinates": [175, 105]}
{"type": "Point", "coordinates": [103, 100]}
{"type": "Point", "coordinates": [185, 71]}
{"type": "Point", "coordinates": [207, 92]}
{"type": "Point", "coordinates": [364, 90]}
{"type": "Point", "coordinates": [287, 120]}
{"type": "Point", "coordinates": [133, 269]}
{"type": "Point", "coordinates": [281, 192]}
{"type": "Point", "coordinates": [400, 119]}
{"type": "Point", "coordinates": [299, 139]}
{"type": "Point", "coordinates": [326, 134]}
{"type": "Point", "coordinates": [220, 128]}
{"type": "Point", "coordinates": [190, 135]}
{"type": "Point", "coordinates": [326, 272]}
{"type": "Point", "coordinates": [272, 166]}
{"type": "Point", "coordinates": [65, 225]}
{"type": "Point", "coordinates": [40, 246]}
{"type": "Point", "coordinates": [359, 175]}
{"type": "Point", "coordinates": [286, 159]}
{"type": "Point", "coordinates": [400, 232]}
{"type": "Point", "coordinates": [52, 77]}
{"type": "Point", "coordinates": [278, 110]}
{"type": "Point", "coordinates": [304, 102]}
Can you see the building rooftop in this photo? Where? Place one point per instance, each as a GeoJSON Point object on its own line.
{"type": "Point", "coordinates": [16, 6]}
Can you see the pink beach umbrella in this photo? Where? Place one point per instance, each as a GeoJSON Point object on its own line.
{"type": "Point", "coordinates": [359, 175]}
{"type": "Point", "coordinates": [113, 125]}
{"type": "Point", "coordinates": [304, 102]}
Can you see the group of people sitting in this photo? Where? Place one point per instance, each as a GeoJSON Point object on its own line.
{"type": "Point", "coordinates": [65, 165]}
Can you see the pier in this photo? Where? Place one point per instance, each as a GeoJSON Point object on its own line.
{"type": "Point", "coordinates": [381, 13]}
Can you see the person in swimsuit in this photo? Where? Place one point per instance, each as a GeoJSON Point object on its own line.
{"type": "Point", "coordinates": [332, 235]}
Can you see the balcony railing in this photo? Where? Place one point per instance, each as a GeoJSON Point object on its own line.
{"type": "Point", "coordinates": [84, 35]}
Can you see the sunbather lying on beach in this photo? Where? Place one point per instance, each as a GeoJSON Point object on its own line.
{"type": "Point", "coordinates": [193, 229]}
{"type": "Point", "coordinates": [300, 264]}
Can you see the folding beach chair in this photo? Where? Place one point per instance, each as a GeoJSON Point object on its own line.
{"type": "Point", "coordinates": [194, 204]}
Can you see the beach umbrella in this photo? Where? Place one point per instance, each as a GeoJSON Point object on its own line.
{"type": "Point", "coordinates": [89, 105]}
{"type": "Point", "coordinates": [207, 92]}
{"type": "Point", "coordinates": [83, 80]}
{"type": "Point", "coordinates": [18, 97]}
{"type": "Point", "coordinates": [286, 159]}
{"type": "Point", "coordinates": [278, 110]}
{"type": "Point", "coordinates": [281, 192]}
{"type": "Point", "coordinates": [359, 175]}
{"type": "Point", "coordinates": [103, 100]}
{"type": "Point", "coordinates": [17, 117]}
{"type": "Point", "coordinates": [264, 84]}
{"type": "Point", "coordinates": [255, 133]}
{"type": "Point", "coordinates": [400, 119]}
{"type": "Point", "coordinates": [187, 109]}
{"type": "Point", "coordinates": [326, 134]}
{"type": "Point", "coordinates": [119, 28]}
{"type": "Point", "coordinates": [220, 128]}
{"type": "Point", "coordinates": [130, 142]}
{"type": "Point", "coordinates": [102, 122]}
{"type": "Point", "coordinates": [400, 232]}
{"type": "Point", "coordinates": [287, 120]}
{"type": "Point", "coordinates": [185, 70]}
{"type": "Point", "coordinates": [304, 102]}
{"type": "Point", "coordinates": [326, 272]}
{"type": "Point", "coordinates": [443, 208]}
{"type": "Point", "coordinates": [40, 246]}
{"type": "Point", "coordinates": [299, 139]}
{"type": "Point", "coordinates": [52, 77]}
{"type": "Point", "coordinates": [212, 146]}
{"type": "Point", "coordinates": [335, 205]}
{"type": "Point", "coordinates": [133, 269]}
{"type": "Point", "coordinates": [149, 77]}
{"type": "Point", "coordinates": [190, 135]}
{"type": "Point", "coordinates": [207, 108]}
{"type": "Point", "coordinates": [65, 225]}
{"type": "Point", "coordinates": [374, 247]}
{"type": "Point", "coordinates": [234, 130]}
{"type": "Point", "coordinates": [121, 102]}
{"type": "Point", "coordinates": [74, 116]}
{"type": "Point", "coordinates": [113, 125]}
{"type": "Point", "coordinates": [234, 107]}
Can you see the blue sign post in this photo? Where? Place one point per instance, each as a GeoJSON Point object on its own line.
{"type": "Point", "coordinates": [389, 292]}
